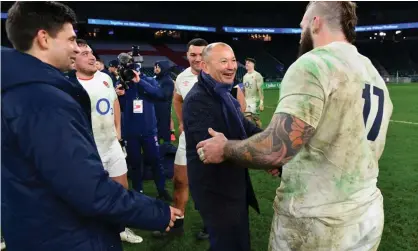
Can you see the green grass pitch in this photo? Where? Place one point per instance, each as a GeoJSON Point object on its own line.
{"type": "Point", "coordinates": [398, 181]}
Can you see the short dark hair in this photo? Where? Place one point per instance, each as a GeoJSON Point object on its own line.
{"type": "Point", "coordinates": [25, 19]}
{"type": "Point", "coordinates": [197, 42]}
{"type": "Point", "coordinates": [81, 42]}
{"type": "Point", "coordinates": [251, 60]}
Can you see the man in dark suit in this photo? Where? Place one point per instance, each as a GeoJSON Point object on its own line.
{"type": "Point", "coordinates": [222, 192]}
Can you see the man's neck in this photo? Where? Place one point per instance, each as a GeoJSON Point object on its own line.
{"type": "Point", "coordinates": [194, 71]}
{"type": "Point", "coordinates": [40, 56]}
{"type": "Point", "coordinates": [84, 76]}
{"type": "Point", "coordinates": [328, 39]}
{"type": "Point", "coordinates": [251, 71]}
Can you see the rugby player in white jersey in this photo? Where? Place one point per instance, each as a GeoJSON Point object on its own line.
{"type": "Point", "coordinates": [184, 82]}
{"type": "Point", "coordinates": [106, 120]}
{"type": "Point", "coordinates": [254, 96]}
{"type": "Point", "coordinates": [328, 133]}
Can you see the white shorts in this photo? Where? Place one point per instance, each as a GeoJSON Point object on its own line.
{"type": "Point", "coordinates": [181, 151]}
{"type": "Point", "coordinates": [114, 160]}
{"type": "Point", "coordinates": [251, 107]}
{"type": "Point", "coordinates": [291, 233]}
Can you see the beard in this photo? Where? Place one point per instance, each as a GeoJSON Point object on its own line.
{"type": "Point", "coordinates": [306, 44]}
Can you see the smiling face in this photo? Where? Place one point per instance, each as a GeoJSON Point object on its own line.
{"type": "Point", "coordinates": [249, 66]}
{"type": "Point", "coordinates": [60, 50]}
{"type": "Point", "coordinates": [85, 61]}
{"type": "Point", "coordinates": [194, 55]}
{"type": "Point", "coordinates": [221, 64]}
{"type": "Point", "coordinates": [63, 49]}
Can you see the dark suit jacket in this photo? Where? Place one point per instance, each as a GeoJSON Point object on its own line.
{"type": "Point", "coordinates": [222, 192]}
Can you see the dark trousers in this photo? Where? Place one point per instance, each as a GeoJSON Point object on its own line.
{"type": "Point", "coordinates": [163, 123]}
{"type": "Point", "coordinates": [235, 237]}
{"type": "Point", "coordinates": [139, 148]}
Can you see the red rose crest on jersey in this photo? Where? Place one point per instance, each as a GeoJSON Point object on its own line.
{"type": "Point", "coordinates": [106, 84]}
{"type": "Point", "coordinates": [186, 83]}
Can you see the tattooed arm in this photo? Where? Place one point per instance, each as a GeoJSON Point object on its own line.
{"type": "Point", "coordinates": [273, 147]}
{"type": "Point", "coordinates": [301, 94]}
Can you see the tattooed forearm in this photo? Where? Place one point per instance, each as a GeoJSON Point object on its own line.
{"type": "Point", "coordinates": [273, 147]}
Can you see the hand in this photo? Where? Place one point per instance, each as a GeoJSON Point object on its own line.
{"type": "Point", "coordinates": [274, 172]}
{"type": "Point", "coordinates": [180, 128]}
{"type": "Point", "coordinates": [174, 213]}
{"type": "Point", "coordinates": [261, 107]}
{"type": "Point", "coordinates": [136, 79]}
{"type": "Point", "coordinates": [119, 90]}
{"type": "Point", "coordinates": [212, 150]}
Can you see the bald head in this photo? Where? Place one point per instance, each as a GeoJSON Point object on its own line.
{"type": "Point", "coordinates": [337, 16]}
{"type": "Point", "coordinates": [206, 54]}
{"type": "Point", "coordinates": [219, 62]}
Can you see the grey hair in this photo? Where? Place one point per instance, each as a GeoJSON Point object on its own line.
{"type": "Point", "coordinates": [208, 49]}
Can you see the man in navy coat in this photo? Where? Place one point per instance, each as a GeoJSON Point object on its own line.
{"type": "Point", "coordinates": [222, 192]}
{"type": "Point", "coordinates": [163, 107]}
{"type": "Point", "coordinates": [55, 192]}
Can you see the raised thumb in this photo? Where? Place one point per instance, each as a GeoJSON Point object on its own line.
{"type": "Point", "coordinates": [212, 132]}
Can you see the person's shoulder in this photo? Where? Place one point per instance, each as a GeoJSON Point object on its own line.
{"type": "Point", "coordinates": [328, 57]}
{"type": "Point", "coordinates": [167, 78]}
{"type": "Point", "coordinates": [195, 91]}
{"type": "Point", "coordinates": [102, 76]}
{"type": "Point", "coordinates": [187, 72]}
{"type": "Point", "coordinates": [35, 98]}
{"type": "Point", "coordinates": [258, 74]}
{"type": "Point", "coordinates": [197, 96]}
{"type": "Point", "coordinates": [309, 63]}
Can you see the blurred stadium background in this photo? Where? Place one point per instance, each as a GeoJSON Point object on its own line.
{"type": "Point", "coordinates": [387, 34]}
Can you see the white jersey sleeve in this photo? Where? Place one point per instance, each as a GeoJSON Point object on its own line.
{"type": "Point", "coordinates": [301, 92]}
{"type": "Point", "coordinates": [176, 87]}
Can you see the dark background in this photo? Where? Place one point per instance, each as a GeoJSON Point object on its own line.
{"type": "Point", "coordinates": [245, 14]}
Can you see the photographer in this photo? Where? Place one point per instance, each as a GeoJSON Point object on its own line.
{"type": "Point", "coordinates": [140, 124]}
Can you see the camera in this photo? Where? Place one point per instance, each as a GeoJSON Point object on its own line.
{"type": "Point", "coordinates": [128, 63]}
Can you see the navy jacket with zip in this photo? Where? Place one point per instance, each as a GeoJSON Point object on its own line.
{"type": "Point", "coordinates": [163, 106]}
{"type": "Point", "coordinates": [55, 193]}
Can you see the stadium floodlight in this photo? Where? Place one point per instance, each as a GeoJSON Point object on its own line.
{"type": "Point", "coordinates": [398, 31]}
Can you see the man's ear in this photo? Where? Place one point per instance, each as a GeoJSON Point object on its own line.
{"type": "Point", "coordinates": [316, 24]}
{"type": "Point", "coordinates": [43, 40]}
{"type": "Point", "coordinates": [204, 66]}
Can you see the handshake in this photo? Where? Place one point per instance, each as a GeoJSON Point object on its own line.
{"type": "Point", "coordinates": [174, 213]}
